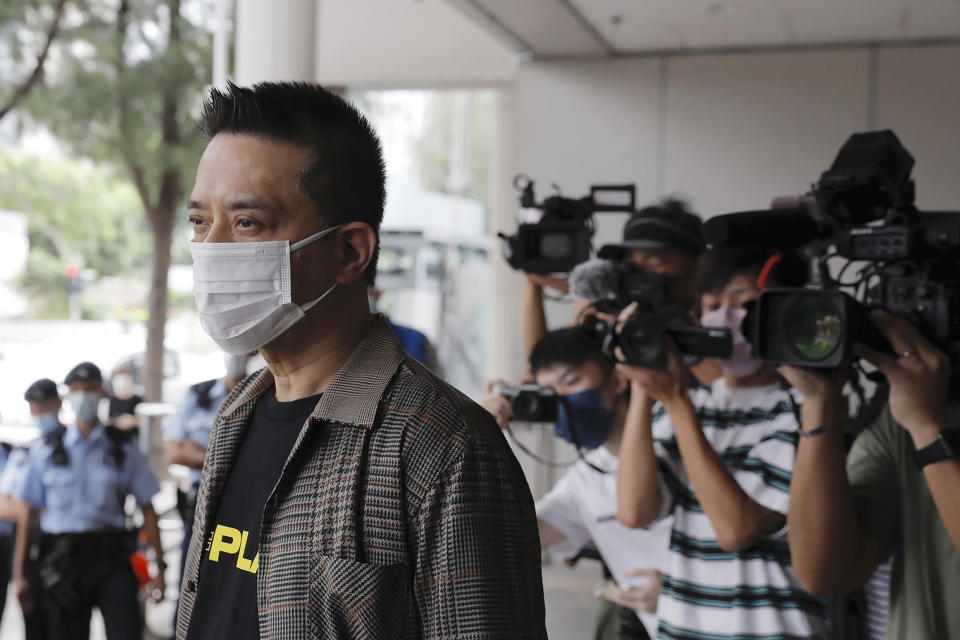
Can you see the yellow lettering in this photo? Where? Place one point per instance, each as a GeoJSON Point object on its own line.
{"type": "Point", "coordinates": [220, 537]}
{"type": "Point", "coordinates": [242, 563]}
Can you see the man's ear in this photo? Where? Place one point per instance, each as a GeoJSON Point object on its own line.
{"type": "Point", "coordinates": [358, 245]}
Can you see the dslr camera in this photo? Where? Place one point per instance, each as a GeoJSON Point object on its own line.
{"type": "Point", "coordinates": [642, 339]}
{"type": "Point", "coordinates": [531, 403]}
{"type": "Point", "coordinates": [556, 235]}
{"type": "Point", "coordinates": [862, 210]}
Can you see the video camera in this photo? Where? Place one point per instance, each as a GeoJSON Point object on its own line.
{"type": "Point", "coordinates": [531, 403]}
{"type": "Point", "coordinates": [612, 286]}
{"type": "Point", "coordinates": [559, 236]}
{"type": "Point", "coordinates": [861, 209]}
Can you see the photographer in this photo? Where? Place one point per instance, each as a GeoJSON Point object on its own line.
{"type": "Point", "coordinates": [725, 459]}
{"type": "Point", "coordinates": [581, 507]}
{"type": "Point", "coordinates": [662, 238]}
{"type": "Point", "coordinates": [898, 492]}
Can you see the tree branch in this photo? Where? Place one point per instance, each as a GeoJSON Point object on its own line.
{"type": "Point", "coordinates": [34, 77]}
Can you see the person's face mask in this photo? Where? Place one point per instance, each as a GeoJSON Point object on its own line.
{"type": "Point", "coordinates": [585, 414]}
{"type": "Point", "coordinates": [740, 363]}
{"type": "Point", "coordinates": [85, 404]}
{"type": "Point", "coordinates": [47, 423]}
{"type": "Point", "coordinates": [122, 385]}
{"type": "Point", "coordinates": [243, 291]}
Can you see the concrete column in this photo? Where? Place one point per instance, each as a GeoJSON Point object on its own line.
{"type": "Point", "coordinates": [275, 40]}
{"type": "Point", "coordinates": [505, 355]}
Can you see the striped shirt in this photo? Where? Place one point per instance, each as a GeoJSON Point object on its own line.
{"type": "Point", "coordinates": [750, 594]}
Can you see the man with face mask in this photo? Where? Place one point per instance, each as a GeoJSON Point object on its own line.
{"type": "Point", "coordinates": [726, 455]}
{"type": "Point", "coordinates": [79, 477]}
{"type": "Point", "coordinates": [347, 492]}
{"type": "Point", "coordinates": [581, 507]}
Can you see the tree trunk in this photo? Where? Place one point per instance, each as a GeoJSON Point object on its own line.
{"type": "Point", "coordinates": [156, 330]}
{"type": "Point", "coordinates": [157, 305]}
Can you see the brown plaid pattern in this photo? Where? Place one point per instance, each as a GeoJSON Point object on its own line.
{"type": "Point", "coordinates": [400, 512]}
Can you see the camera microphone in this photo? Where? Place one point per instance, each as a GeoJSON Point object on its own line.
{"type": "Point", "coordinates": [595, 279]}
{"type": "Point", "coordinates": [781, 228]}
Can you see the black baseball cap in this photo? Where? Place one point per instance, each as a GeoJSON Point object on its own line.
{"type": "Point", "coordinates": [83, 372]}
{"type": "Point", "coordinates": [41, 391]}
{"type": "Point", "coordinates": [667, 225]}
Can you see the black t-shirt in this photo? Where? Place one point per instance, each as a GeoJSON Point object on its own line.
{"type": "Point", "coordinates": [226, 603]}
{"type": "Point", "coordinates": [120, 406]}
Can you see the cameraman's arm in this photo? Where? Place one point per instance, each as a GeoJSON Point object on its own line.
{"type": "Point", "coordinates": [639, 498]}
{"type": "Point", "coordinates": [943, 478]}
{"type": "Point", "coordinates": [738, 520]}
{"type": "Point", "coordinates": [919, 380]}
{"type": "Point", "coordinates": [533, 318]}
{"type": "Point", "coordinates": [830, 554]}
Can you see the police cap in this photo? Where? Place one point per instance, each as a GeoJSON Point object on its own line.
{"type": "Point", "coordinates": [83, 372]}
{"type": "Point", "coordinates": [41, 391]}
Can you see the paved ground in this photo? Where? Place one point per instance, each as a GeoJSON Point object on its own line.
{"type": "Point", "coordinates": [570, 607]}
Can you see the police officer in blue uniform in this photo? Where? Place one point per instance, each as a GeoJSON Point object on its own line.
{"type": "Point", "coordinates": [187, 431]}
{"type": "Point", "coordinates": [80, 477]}
{"type": "Point", "coordinates": [44, 400]}
{"type": "Point", "coordinates": [10, 512]}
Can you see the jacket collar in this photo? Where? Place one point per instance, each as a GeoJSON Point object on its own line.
{"type": "Point", "coordinates": [354, 394]}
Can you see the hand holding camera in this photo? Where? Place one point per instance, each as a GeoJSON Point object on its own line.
{"type": "Point", "coordinates": [528, 402]}
{"type": "Point", "coordinates": [666, 383]}
{"type": "Point", "coordinates": [919, 377]}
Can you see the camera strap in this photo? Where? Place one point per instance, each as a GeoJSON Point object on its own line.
{"type": "Point", "coordinates": [551, 463]}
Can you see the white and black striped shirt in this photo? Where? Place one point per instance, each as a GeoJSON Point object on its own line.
{"type": "Point", "coordinates": [750, 594]}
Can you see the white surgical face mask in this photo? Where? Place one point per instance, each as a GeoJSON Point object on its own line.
{"type": "Point", "coordinates": [243, 291]}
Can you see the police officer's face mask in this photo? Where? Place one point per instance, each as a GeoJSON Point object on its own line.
{"type": "Point", "coordinates": [85, 404]}
{"type": "Point", "coordinates": [47, 423]}
{"type": "Point", "coordinates": [243, 291]}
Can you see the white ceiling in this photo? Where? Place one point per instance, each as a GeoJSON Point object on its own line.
{"type": "Point", "coordinates": [549, 28]}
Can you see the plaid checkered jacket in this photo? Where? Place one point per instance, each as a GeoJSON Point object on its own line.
{"type": "Point", "coordinates": [400, 512]}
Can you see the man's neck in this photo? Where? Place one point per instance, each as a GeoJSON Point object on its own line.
{"type": "Point", "coordinates": [86, 428]}
{"type": "Point", "coordinates": [305, 360]}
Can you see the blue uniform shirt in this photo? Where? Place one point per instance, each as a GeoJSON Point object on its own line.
{"type": "Point", "coordinates": [7, 468]}
{"type": "Point", "coordinates": [190, 422]}
{"type": "Point", "coordinates": [414, 343]}
{"type": "Point", "coordinates": [89, 492]}
{"type": "Point", "coordinates": [14, 472]}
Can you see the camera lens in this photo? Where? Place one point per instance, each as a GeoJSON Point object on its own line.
{"type": "Point", "coordinates": [527, 406]}
{"type": "Point", "coordinates": [813, 327]}
{"type": "Point", "coordinates": [642, 342]}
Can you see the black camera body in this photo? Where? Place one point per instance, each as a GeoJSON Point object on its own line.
{"type": "Point", "coordinates": [612, 286]}
{"type": "Point", "coordinates": [532, 403]}
{"type": "Point", "coordinates": [548, 246]}
{"type": "Point", "coordinates": [864, 210]}
{"type": "Point", "coordinates": [562, 237]}
{"type": "Point", "coordinates": [642, 339]}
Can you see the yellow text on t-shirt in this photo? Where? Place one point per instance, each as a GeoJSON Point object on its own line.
{"type": "Point", "coordinates": [230, 541]}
